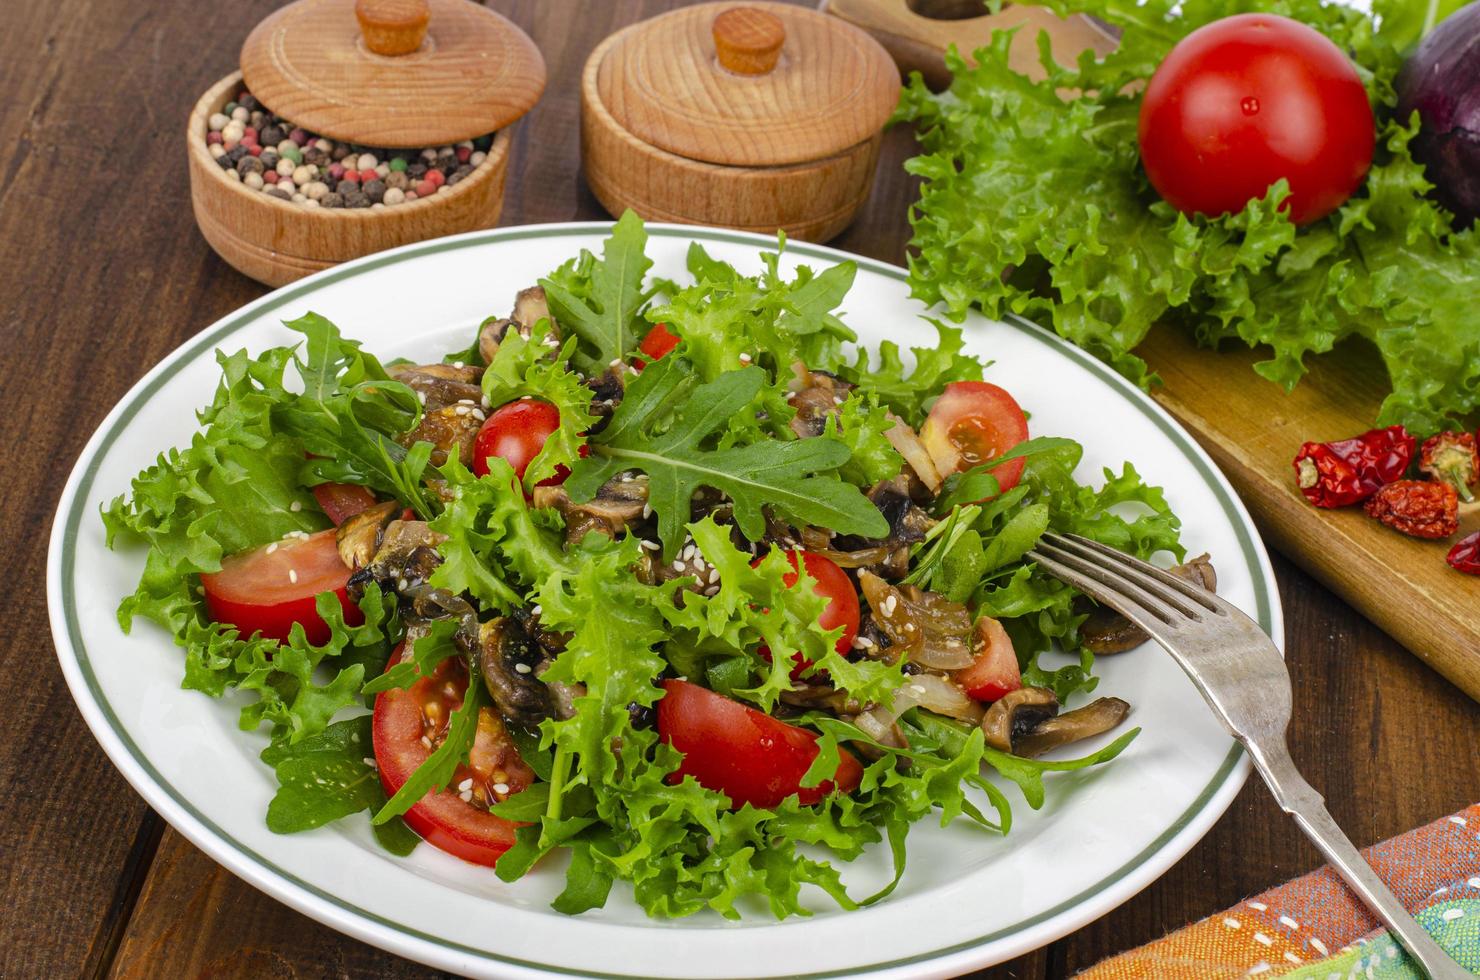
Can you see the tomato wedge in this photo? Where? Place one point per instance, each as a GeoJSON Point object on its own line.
{"type": "Point", "coordinates": [409, 724]}
{"type": "Point", "coordinates": [973, 422]}
{"type": "Point", "coordinates": [656, 344]}
{"type": "Point", "coordinates": [740, 752]}
{"type": "Point", "coordinates": [833, 584]}
{"type": "Point", "coordinates": [268, 589]}
{"type": "Point", "coordinates": [995, 672]}
{"type": "Point", "coordinates": [341, 501]}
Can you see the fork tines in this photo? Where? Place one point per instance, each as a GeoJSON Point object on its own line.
{"type": "Point", "coordinates": [1147, 595]}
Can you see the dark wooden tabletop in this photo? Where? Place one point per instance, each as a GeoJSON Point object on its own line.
{"type": "Point", "coordinates": [102, 272]}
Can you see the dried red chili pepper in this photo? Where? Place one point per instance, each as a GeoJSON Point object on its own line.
{"type": "Point", "coordinates": [1422, 508]}
{"type": "Point", "coordinates": [1451, 457]}
{"type": "Point", "coordinates": [1348, 471]}
{"type": "Point", "coordinates": [1465, 556]}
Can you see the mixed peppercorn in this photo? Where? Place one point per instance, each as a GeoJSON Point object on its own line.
{"type": "Point", "coordinates": [270, 154]}
{"type": "Point", "coordinates": [1371, 469]}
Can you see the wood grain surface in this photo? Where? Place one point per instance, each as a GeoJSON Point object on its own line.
{"type": "Point", "coordinates": [105, 273]}
{"type": "Point", "coordinates": [671, 133]}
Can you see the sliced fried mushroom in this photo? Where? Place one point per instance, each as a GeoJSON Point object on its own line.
{"type": "Point", "coordinates": [620, 503]}
{"type": "Point", "coordinates": [1107, 631]}
{"type": "Point", "coordinates": [506, 658]}
{"type": "Point", "coordinates": [1027, 722]}
{"type": "Point", "coordinates": [451, 430]}
{"type": "Point", "coordinates": [406, 558]}
{"type": "Point", "coordinates": [441, 385]}
{"type": "Point", "coordinates": [358, 538]}
{"type": "Point", "coordinates": [1098, 716]}
{"type": "Point", "coordinates": [531, 306]}
{"type": "Point", "coordinates": [815, 395]}
{"type": "Point", "coordinates": [1016, 714]}
{"type": "Point", "coordinates": [491, 335]}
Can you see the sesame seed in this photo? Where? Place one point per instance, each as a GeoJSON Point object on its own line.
{"type": "Point", "coordinates": [461, 410]}
{"type": "Point", "coordinates": [467, 784]}
{"type": "Point", "coordinates": [678, 565]}
{"type": "Point", "coordinates": [421, 396]}
{"type": "Point", "coordinates": [790, 395]}
{"type": "Point", "coordinates": [466, 796]}
{"type": "Point", "coordinates": [918, 688]}
{"type": "Point", "coordinates": [486, 404]}
{"type": "Point", "coordinates": [426, 741]}
{"type": "Point", "coordinates": [477, 413]}
{"type": "Point", "coordinates": [888, 606]}
{"type": "Point", "coordinates": [458, 365]}
{"type": "Point", "coordinates": [369, 762]}
{"type": "Point", "coordinates": [745, 358]}
{"type": "Point", "coordinates": [616, 362]}
{"type": "Point", "coordinates": [296, 506]}
{"type": "Point", "coordinates": [865, 642]}
{"type": "Point", "coordinates": [536, 609]}
{"type": "Point", "coordinates": [502, 789]}
{"type": "Point", "coordinates": [647, 510]}
{"type": "Point", "coordinates": [272, 547]}
{"type": "Point", "coordinates": [466, 401]}
{"type": "Point", "coordinates": [521, 668]}
{"type": "Point", "coordinates": [293, 575]}
{"type": "Point", "coordinates": [711, 590]}
{"type": "Point", "coordinates": [713, 575]}
{"type": "Point", "coordinates": [688, 553]}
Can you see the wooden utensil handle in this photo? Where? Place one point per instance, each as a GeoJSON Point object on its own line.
{"type": "Point", "coordinates": [748, 40]}
{"type": "Point", "coordinates": [393, 27]}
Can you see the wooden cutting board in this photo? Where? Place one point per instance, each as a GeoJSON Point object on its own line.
{"type": "Point", "coordinates": [1251, 427]}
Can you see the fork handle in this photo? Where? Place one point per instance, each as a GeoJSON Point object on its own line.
{"type": "Point", "coordinates": [1299, 799]}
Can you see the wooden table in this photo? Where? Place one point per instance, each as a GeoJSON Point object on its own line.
{"type": "Point", "coordinates": [102, 272]}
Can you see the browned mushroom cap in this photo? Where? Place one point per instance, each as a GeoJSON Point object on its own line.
{"type": "Point", "coordinates": [1017, 713]}
{"type": "Point", "coordinates": [451, 430]}
{"type": "Point", "coordinates": [1107, 631]}
{"type": "Point", "coordinates": [358, 538]}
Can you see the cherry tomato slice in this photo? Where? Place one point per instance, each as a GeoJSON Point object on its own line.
{"type": "Point", "coordinates": [973, 422]}
{"type": "Point", "coordinates": [341, 501]}
{"type": "Point", "coordinates": [656, 343]}
{"type": "Point", "coordinates": [268, 589]}
{"type": "Point", "coordinates": [1247, 100]}
{"type": "Point", "coordinates": [996, 671]}
{"type": "Point", "coordinates": [740, 752]}
{"type": "Point", "coordinates": [409, 724]}
{"type": "Point", "coordinates": [517, 433]}
{"type": "Point", "coordinates": [833, 584]}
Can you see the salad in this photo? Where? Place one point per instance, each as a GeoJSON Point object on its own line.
{"type": "Point", "coordinates": [667, 576]}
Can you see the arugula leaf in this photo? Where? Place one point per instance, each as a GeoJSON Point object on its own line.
{"type": "Point", "coordinates": [437, 771]}
{"type": "Point", "coordinates": [329, 776]}
{"type": "Point", "coordinates": [598, 299]}
{"type": "Point", "coordinates": [786, 476]}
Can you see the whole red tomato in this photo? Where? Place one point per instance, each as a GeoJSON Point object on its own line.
{"type": "Point", "coordinates": [1249, 99]}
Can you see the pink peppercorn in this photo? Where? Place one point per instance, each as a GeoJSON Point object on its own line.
{"type": "Point", "coordinates": [213, 137]}
{"type": "Point", "coordinates": [255, 150]}
{"type": "Point", "coordinates": [368, 175]}
{"type": "Point", "coordinates": [426, 188]}
{"type": "Point", "coordinates": [437, 177]}
{"type": "Point", "coordinates": [463, 152]}
{"type": "Point", "coordinates": [249, 133]}
{"type": "Point", "coordinates": [270, 176]}
{"type": "Point", "coordinates": [336, 170]}
{"type": "Point", "coordinates": [298, 136]}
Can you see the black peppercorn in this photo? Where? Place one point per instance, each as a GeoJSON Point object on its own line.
{"type": "Point", "coordinates": [374, 190]}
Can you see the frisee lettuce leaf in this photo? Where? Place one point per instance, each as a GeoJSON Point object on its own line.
{"type": "Point", "coordinates": [1037, 205]}
{"type": "Point", "coordinates": [598, 300]}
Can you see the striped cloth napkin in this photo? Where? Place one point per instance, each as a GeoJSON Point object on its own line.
{"type": "Point", "coordinates": [1313, 927]}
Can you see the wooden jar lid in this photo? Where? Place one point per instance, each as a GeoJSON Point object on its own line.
{"type": "Point", "coordinates": [748, 84]}
{"type": "Point", "coordinates": [400, 73]}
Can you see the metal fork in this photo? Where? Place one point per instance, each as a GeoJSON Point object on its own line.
{"type": "Point", "coordinates": [1240, 673]}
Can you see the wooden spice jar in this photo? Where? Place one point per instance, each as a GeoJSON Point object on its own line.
{"type": "Point", "coordinates": [385, 73]}
{"type": "Point", "coordinates": [761, 117]}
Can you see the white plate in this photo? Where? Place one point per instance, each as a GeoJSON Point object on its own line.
{"type": "Point", "coordinates": [968, 899]}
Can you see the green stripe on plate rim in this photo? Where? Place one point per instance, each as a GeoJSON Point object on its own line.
{"type": "Point", "coordinates": [286, 295]}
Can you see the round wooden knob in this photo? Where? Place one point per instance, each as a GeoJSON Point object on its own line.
{"type": "Point", "coordinates": [392, 27]}
{"type": "Point", "coordinates": [748, 40]}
